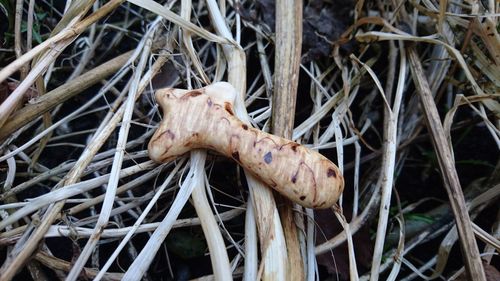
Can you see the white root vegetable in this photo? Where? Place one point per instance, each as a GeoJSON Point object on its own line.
{"type": "Point", "coordinates": [204, 118]}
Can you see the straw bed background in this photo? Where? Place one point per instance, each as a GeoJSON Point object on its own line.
{"type": "Point", "coordinates": [403, 96]}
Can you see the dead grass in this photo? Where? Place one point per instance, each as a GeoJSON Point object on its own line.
{"type": "Point", "coordinates": [385, 87]}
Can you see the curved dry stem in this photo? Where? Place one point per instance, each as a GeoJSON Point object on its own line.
{"type": "Point", "coordinates": [273, 248]}
{"type": "Point", "coordinates": [388, 166]}
{"type": "Point", "coordinates": [218, 255]}
{"type": "Point", "coordinates": [117, 159]}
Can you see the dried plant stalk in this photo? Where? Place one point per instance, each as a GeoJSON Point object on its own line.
{"type": "Point", "coordinates": [57, 96]}
{"type": "Point", "coordinates": [61, 40]}
{"type": "Point", "coordinates": [468, 244]}
{"type": "Point", "coordinates": [218, 254]}
{"type": "Point", "coordinates": [273, 247]}
{"type": "Point", "coordinates": [286, 79]}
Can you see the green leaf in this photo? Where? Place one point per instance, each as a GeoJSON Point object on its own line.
{"type": "Point", "coordinates": [475, 163]}
{"type": "Point", "coordinates": [420, 217]}
{"type": "Point", "coordinates": [37, 37]}
{"type": "Point", "coordinates": [41, 15]}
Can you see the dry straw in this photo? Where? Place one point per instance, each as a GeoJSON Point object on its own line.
{"type": "Point", "coordinates": [364, 105]}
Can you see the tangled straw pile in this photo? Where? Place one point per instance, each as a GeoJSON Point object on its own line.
{"type": "Point", "coordinates": [78, 110]}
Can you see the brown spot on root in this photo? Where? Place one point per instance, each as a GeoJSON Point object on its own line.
{"type": "Point", "coordinates": [244, 126]}
{"type": "Point", "coordinates": [228, 108]}
{"type": "Point", "coordinates": [268, 157]}
{"type": "Point", "coordinates": [209, 102]}
{"type": "Point", "coordinates": [236, 156]}
{"type": "Point", "coordinates": [294, 178]}
{"type": "Point", "coordinates": [293, 146]}
{"type": "Point", "coordinates": [169, 134]}
{"type": "Point", "coordinates": [331, 173]}
{"type": "Point", "coordinates": [194, 93]}
{"type": "Point", "coordinates": [302, 197]}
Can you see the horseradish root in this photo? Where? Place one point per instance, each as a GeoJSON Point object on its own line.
{"type": "Point", "coordinates": [204, 118]}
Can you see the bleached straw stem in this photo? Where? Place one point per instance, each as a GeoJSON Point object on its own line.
{"type": "Point", "coordinates": [388, 165]}
{"type": "Point", "coordinates": [118, 158]}
{"type": "Point", "coordinates": [271, 236]}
